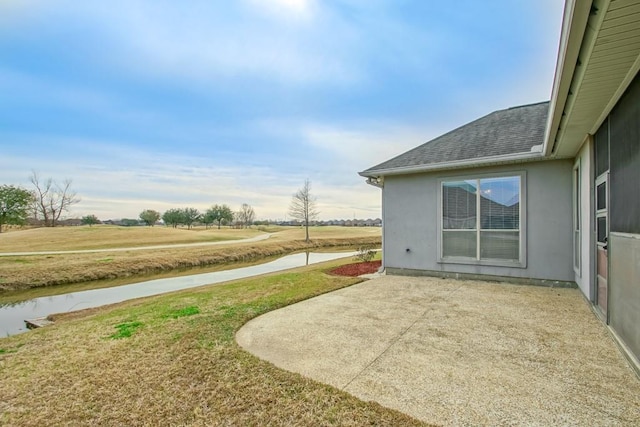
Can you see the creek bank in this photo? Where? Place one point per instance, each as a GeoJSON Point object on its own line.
{"type": "Point", "coordinates": [52, 270]}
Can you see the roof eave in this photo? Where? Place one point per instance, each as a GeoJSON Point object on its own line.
{"type": "Point", "coordinates": [597, 63]}
{"type": "Point", "coordinates": [458, 164]}
{"type": "Point", "coordinates": [574, 23]}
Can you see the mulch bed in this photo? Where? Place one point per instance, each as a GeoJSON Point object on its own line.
{"type": "Point", "coordinates": [357, 269]}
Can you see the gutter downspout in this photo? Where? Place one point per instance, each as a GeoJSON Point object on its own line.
{"type": "Point", "coordinates": [383, 267]}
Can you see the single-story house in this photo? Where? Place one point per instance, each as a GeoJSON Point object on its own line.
{"type": "Point", "coordinates": [546, 193]}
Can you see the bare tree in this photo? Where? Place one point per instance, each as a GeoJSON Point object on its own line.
{"type": "Point", "coordinates": [303, 207]}
{"type": "Point", "coordinates": [51, 198]}
{"type": "Point", "coordinates": [245, 216]}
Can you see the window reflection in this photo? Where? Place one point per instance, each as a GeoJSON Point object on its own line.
{"type": "Point", "coordinates": [459, 205]}
{"type": "Point", "coordinates": [500, 203]}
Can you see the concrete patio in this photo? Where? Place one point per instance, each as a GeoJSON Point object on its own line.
{"type": "Point", "coordinates": [457, 352]}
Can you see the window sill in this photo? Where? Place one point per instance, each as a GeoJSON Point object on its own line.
{"type": "Point", "coordinates": [483, 262]}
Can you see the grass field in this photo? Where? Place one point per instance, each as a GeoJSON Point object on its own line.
{"type": "Point", "coordinates": [110, 236]}
{"type": "Point", "coordinates": [173, 360]}
{"type": "Point", "coordinates": [24, 272]}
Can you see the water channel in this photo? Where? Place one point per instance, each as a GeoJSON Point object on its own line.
{"type": "Point", "coordinates": [12, 316]}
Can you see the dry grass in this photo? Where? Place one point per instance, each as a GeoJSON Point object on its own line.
{"type": "Point", "coordinates": [297, 233]}
{"type": "Point", "coordinates": [25, 272]}
{"type": "Point", "coordinates": [183, 369]}
{"type": "Point", "coordinates": [109, 236]}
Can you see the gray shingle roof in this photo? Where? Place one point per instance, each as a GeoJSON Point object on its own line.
{"type": "Point", "coordinates": [503, 132]}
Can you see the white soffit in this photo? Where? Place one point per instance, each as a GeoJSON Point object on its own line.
{"type": "Point", "coordinates": [609, 58]}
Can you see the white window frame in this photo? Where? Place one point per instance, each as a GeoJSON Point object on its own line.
{"type": "Point", "coordinates": [519, 263]}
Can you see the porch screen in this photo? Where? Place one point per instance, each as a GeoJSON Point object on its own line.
{"type": "Point", "coordinates": [481, 218]}
{"type": "Point", "coordinates": [624, 188]}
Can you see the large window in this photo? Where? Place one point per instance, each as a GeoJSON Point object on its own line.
{"type": "Point", "coordinates": [481, 219]}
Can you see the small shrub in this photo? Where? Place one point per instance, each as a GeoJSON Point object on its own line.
{"type": "Point", "coordinates": [365, 253]}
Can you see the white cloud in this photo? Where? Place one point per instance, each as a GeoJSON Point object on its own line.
{"type": "Point", "coordinates": [299, 10]}
{"type": "Point", "coordinates": [367, 144]}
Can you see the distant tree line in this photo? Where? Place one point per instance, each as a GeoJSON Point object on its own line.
{"type": "Point", "coordinates": [48, 200]}
{"type": "Point", "coordinates": [217, 215]}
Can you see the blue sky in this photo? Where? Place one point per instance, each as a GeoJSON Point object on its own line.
{"type": "Point", "coordinates": [161, 104]}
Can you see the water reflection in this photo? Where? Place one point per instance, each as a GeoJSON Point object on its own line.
{"type": "Point", "coordinates": [13, 315]}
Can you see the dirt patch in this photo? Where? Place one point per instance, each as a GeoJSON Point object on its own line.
{"type": "Point", "coordinates": [357, 269]}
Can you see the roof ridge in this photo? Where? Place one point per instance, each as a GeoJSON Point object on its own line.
{"type": "Point", "coordinates": [526, 105]}
{"type": "Point", "coordinates": [477, 120]}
